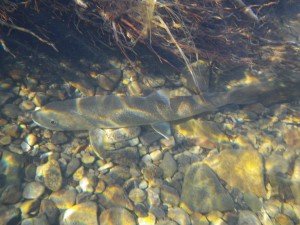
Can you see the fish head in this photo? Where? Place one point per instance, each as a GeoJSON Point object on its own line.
{"type": "Point", "coordinates": [61, 117]}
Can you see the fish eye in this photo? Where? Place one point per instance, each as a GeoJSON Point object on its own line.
{"type": "Point", "coordinates": [53, 122]}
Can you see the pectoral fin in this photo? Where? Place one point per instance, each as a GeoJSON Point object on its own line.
{"type": "Point", "coordinates": [96, 140]}
{"type": "Point", "coordinates": [163, 128]}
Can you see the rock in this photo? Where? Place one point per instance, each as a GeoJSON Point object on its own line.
{"type": "Point", "coordinates": [253, 202]}
{"type": "Point", "coordinates": [203, 192]}
{"type": "Point", "coordinates": [125, 157]}
{"type": "Point", "coordinates": [137, 195]}
{"type": "Point", "coordinates": [72, 166]}
{"type": "Point", "coordinates": [148, 138]}
{"type": "Point", "coordinates": [39, 99]}
{"type": "Point", "coordinates": [87, 184]}
{"type": "Point", "coordinates": [152, 172]}
{"type": "Point", "coordinates": [153, 81]}
{"type": "Point", "coordinates": [169, 195]}
{"type": "Point", "coordinates": [27, 105]}
{"type": "Point", "coordinates": [295, 187]}
{"type": "Point", "coordinates": [11, 130]}
{"type": "Point", "coordinates": [179, 216]}
{"type": "Point", "coordinates": [59, 138]}
{"type": "Point", "coordinates": [114, 196]}
{"type": "Point", "coordinates": [199, 219]}
{"type": "Point", "coordinates": [117, 175]}
{"type": "Point", "coordinates": [11, 111]}
{"type": "Point", "coordinates": [87, 159]}
{"type": "Point", "coordinates": [5, 140]}
{"type": "Point", "coordinates": [50, 174]}
{"type": "Point", "coordinates": [4, 97]}
{"type": "Point", "coordinates": [116, 216]}
{"type": "Point", "coordinates": [205, 134]}
{"type": "Point", "coordinates": [84, 213]}
{"type": "Point", "coordinates": [11, 165]}
{"type": "Point", "coordinates": [11, 194]}
{"type": "Point", "coordinates": [31, 139]}
{"type": "Point", "coordinates": [153, 197]}
{"type": "Point", "coordinates": [282, 219]}
{"type": "Point", "coordinates": [108, 80]}
{"type": "Point", "coordinates": [79, 174]}
{"type": "Point", "coordinates": [40, 220]}
{"type": "Point", "coordinates": [8, 214]}
{"type": "Point", "coordinates": [166, 222]}
{"type": "Point", "coordinates": [33, 190]}
{"type": "Point", "coordinates": [168, 165]}
{"type": "Point", "coordinates": [49, 209]}
{"type": "Point", "coordinates": [148, 220]}
{"type": "Point", "coordinates": [63, 199]}
{"type": "Point", "coordinates": [28, 207]}
{"type": "Point", "coordinates": [248, 218]}
{"type": "Point", "coordinates": [100, 187]}
{"type": "Point", "coordinates": [246, 170]}
{"type": "Point", "coordinates": [291, 137]}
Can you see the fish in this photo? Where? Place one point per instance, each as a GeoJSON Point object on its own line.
{"type": "Point", "coordinates": [158, 109]}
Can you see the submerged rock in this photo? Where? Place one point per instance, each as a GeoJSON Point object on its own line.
{"type": "Point", "coordinates": [202, 133]}
{"type": "Point", "coordinates": [240, 169]}
{"type": "Point", "coordinates": [83, 213]}
{"type": "Point", "coordinates": [33, 190]}
{"type": "Point", "coordinates": [50, 174]}
{"type": "Point", "coordinates": [203, 192]}
{"type": "Point", "coordinates": [116, 216]}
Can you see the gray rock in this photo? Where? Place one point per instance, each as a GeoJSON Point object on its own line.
{"type": "Point", "coordinates": [116, 216]}
{"type": "Point", "coordinates": [64, 199]}
{"type": "Point", "coordinates": [11, 111]}
{"type": "Point", "coordinates": [7, 214]}
{"type": "Point", "coordinates": [168, 165]}
{"type": "Point", "coordinates": [49, 209]}
{"type": "Point", "coordinates": [33, 190]}
{"type": "Point", "coordinates": [203, 192]}
{"type": "Point", "coordinates": [59, 138]}
{"type": "Point", "coordinates": [137, 195]}
{"type": "Point", "coordinates": [169, 195]}
{"type": "Point", "coordinates": [40, 220]}
{"type": "Point", "coordinates": [166, 222]}
{"type": "Point", "coordinates": [296, 181]}
{"type": "Point", "coordinates": [125, 156]}
{"type": "Point", "coordinates": [11, 194]}
{"type": "Point", "coordinates": [83, 213]}
{"type": "Point", "coordinates": [50, 174]}
{"type": "Point", "coordinates": [248, 218]}
{"type": "Point", "coordinates": [179, 216]}
{"type": "Point", "coordinates": [115, 196]}
{"type": "Point", "coordinates": [72, 166]}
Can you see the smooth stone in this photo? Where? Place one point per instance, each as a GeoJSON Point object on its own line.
{"type": "Point", "coordinates": [100, 187]}
{"type": "Point", "coordinates": [292, 137]}
{"type": "Point", "coordinates": [11, 164]}
{"type": "Point", "coordinates": [295, 187]}
{"type": "Point", "coordinates": [246, 170]}
{"type": "Point", "coordinates": [117, 175]}
{"type": "Point", "coordinates": [72, 166]}
{"type": "Point", "coordinates": [205, 134]}
{"type": "Point", "coordinates": [5, 140]}
{"type": "Point", "coordinates": [87, 184]}
{"type": "Point", "coordinates": [4, 97]}
{"type": "Point", "coordinates": [199, 219]}
{"type": "Point", "coordinates": [31, 139]}
{"type": "Point", "coordinates": [39, 99]}
{"type": "Point", "coordinates": [79, 174]}
{"type": "Point", "coordinates": [253, 202]}
{"type": "Point", "coordinates": [28, 207]}
{"type": "Point", "coordinates": [282, 219]}
{"type": "Point", "coordinates": [152, 172]}
{"type": "Point", "coordinates": [248, 218]}
{"type": "Point", "coordinates": [148, 138]}
{"type": "Point", "coordinates": [179, 216]}
{"type": "Point", "coordinates": [275, 164]}
{"type": "Point", "coordinates": [153, 197]}
{"type": "Point", "coordinates": [203, 192]}
{"type": "Point", "coordinates": [137, 195]}
{"type": "Point", "coordinates": [115, 196]}
{"type": "Point", "coordinates": [27, 105]}
{"type": "Point", "coordinates": [33, 190]}
{"type": "Point", "coordinates": [11, 194]}
{"type": "Point", "coordinates": [39, 220]}
{"type": "Point", "coordinates": [49, 209]}
{"type": "Point", "coordinates": [168, 165]}
{"type": "Point", "coordinates": [148, 220]}
{"type": "Point", "coordinates": [83, 213]}
{"type": "Point", "coordinates": [8, 214]}
{"type": "Point", "coordinates": [116, 216]}
{"type": "Point", "coordinates": [59, 138]}
{"type": "Point", "coordinates": [169, 195]}
{"type": "Point", "coordinates": [11, 111]}
{"type": "Point", "coordinates": [11, 130]}
{"type": "Point", "coordinates": [125, 156]}
{"type": "Point", "coordinates": [272, 207]}
{"type": "Point", "coordinates": [50, 174]}
{"type": "Point", "coordinates": [87, 159]}
{"type": "Point", "coordinates": [64, 199]}
{"type": "Point", "coordinates": [166, 222]}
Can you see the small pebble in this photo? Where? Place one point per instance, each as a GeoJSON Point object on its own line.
{"type": "Point", "coordinates": [33, 190]}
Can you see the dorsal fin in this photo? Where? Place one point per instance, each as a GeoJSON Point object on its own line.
{"type": "Point", "coordinates": [161, 95]}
